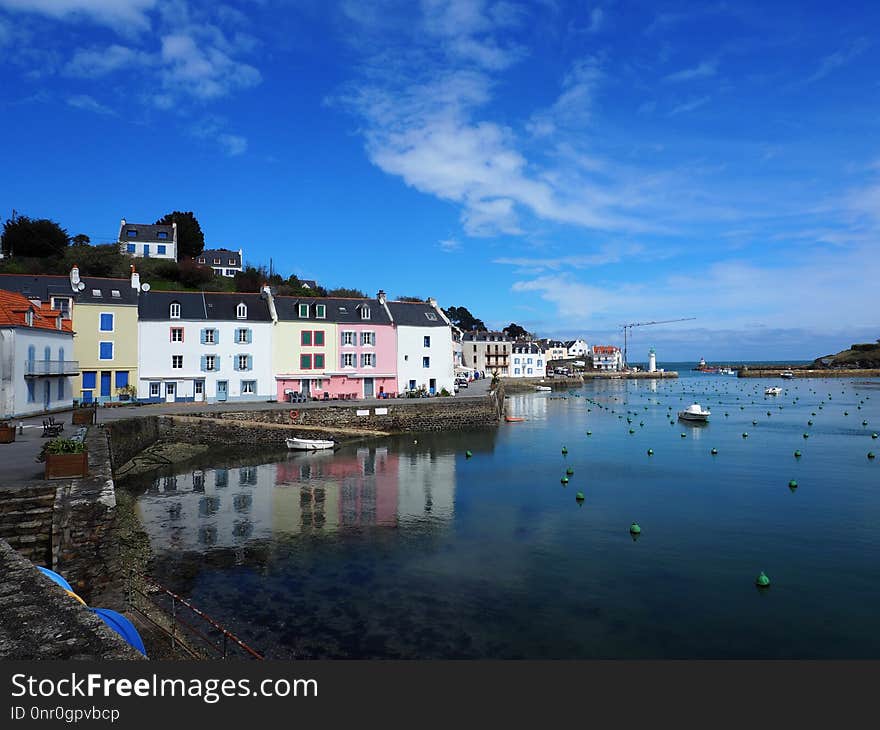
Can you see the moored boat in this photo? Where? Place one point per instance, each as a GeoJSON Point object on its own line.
{"type": "Point", "coordinates": [786, 374]}
{"type": "Point", "coordinates": [514, 419]}
{"type": "Point", "coordinates": [695, 412]}
{"type": "Point", "coordinates": [774, 390]}
{"type": "Point", "coordinates": [299, 444]}
{"type": "Point", "coordinates": [543, 388]}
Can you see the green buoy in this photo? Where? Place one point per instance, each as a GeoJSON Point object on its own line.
{"type": "Point", "coordinates": [864, 423]}
{"type": "Point", "coordinates": [564, 480]}
{"type": "Point", "coordinates": [806, 435]}
{"type": "Point", "coordinates": [564, 450]}
{"type": "Point", "coordinates": [873, 435]}
{"type": "Point", "coordinates": [650, 452]}
{"type": "Point", "coordinates": [684, 435]}
{"type": "Point", "coordinates": [870, 454]}
{"type": "Point", "coordinates": [468, 454]}
{"type": "Point", "coordinates": [762, 581]}
{"type": "Point", "coordinates": [579, 496]}
{"type": "Point", "coordinates": [809, 423]}
{"type": "Point", "coordinates": [846, 413]}
{"type": "Point", "coordinates": [569, 471]}
{"type": "Point", "coordinates": [792, 484]}
{"type": "Point", "coordinates": [589, 433]}
{"type": "Point", "coordinates": [634, 529]}
{"type": "Point", "coordinates": [797, 454]}
{"type": "Point", "coordinates": [632, 430]}
{"type": "Point", "coordinates": [754, 423]}
{"type": "Point", "coordinates": [745, 435]}
{"type": "Point", "coordinates": [714, 452]}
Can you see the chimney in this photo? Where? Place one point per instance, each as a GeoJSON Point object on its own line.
{"type": "Point", "coordinates": [74, 278]}
{"type": "Point", "coordinates": [380, 295]}
{"type": "Point", "coordinates": [270, 302]}
{"type": "Point", "coordinates": [135, 279]}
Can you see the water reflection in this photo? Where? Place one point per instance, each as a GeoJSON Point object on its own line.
{"type": "Point", "coordinates": [315, 493]}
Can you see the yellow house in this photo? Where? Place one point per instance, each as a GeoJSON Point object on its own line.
{"type": "Point", "coordinates": [104, 315]}
{"type": "Point", "coordinates": [304, 348]}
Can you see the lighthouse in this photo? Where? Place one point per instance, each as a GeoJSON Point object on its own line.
{"type": "Point", "coordinates": [652, 361]}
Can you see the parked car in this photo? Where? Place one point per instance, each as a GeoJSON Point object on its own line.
{"type": "Point", "coordinates": [461, 382]}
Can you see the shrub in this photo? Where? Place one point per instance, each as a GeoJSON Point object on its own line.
{"type": "Point", "coordinates": [61, 446]}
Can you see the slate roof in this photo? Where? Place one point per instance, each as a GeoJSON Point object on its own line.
{"type": "Point", "coordinates": [224, 254]}
{"type": "Point", "coordinates": [43, 287]}
{"type": "Point", "coordinates": [528, 348]}
{"type": "Point", "coordinates": [484, 336]}
{"type": "Point", "coordinates": [146, 232]}
{"type": "Point", "coordinates": [415, 314]}
{"type": "Point", "coordinates": [340, 311]}
{"type": "Point", "coordinates": [206, 306]}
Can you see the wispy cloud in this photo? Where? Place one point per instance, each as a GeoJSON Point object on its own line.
{"type": "Point", "coordinates": [205, 72]}
{"type": "Point", "coordinates": [837, 60]}
{"type": "Point", "coordinates": [213, 129]}
{"type": "Point", "coordinates": [702, 70]}
{"type": "Point", "coordinates": [574, 105]}
{"type": "Point", "coordinates": [98, 62]}
{"type": "Point", "coordinates": [449, 245]}
{"type": "Point", "coordinates": [689, 105]}
{"type": "Point", "coordinates": [124, 14]}
{"type": "Point", "coordinates": [606, 255]}
{"type": "Point", "coordinates": [233, 144]}
{"type": "Point", "coordinates": [88, 103]}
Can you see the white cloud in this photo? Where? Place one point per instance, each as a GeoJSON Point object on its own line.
{"type": "Point", "coordinates": [88, 103]}
{"type": "Point", "coordinates": [608, 254]}
{"type": "Point", "coordinates": [702, 70]}
{"type": "Point", "coordinates": [214, 129]}
{"type": "Point", "coordinates": [233, 144]}
{"type": "Point", "coordinates": [836, 60]}
{"type": "Point", "coordinates": [689, 106]}
{"type": "Point", "coordinates": [574, 105]}
{"type": "Point", "coordinates": [122, 15]}
{"type": "Point", "coordinates": [597, 18]}
{"type": "Point", "coordinates": [97, 62]}
{"type": "Point", "coordinates": [204, 71]}
{"type": "Point", "coordinates": [449, 245]}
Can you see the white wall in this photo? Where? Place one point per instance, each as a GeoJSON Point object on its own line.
{"type": "Point", "coordinates": [14, 344]}
{"type": "Point", "coordinates": [156, 349]}
{"type": "Point", "coordinates": [411, 350]}
{"type": "Point", "coordinates": [538, 371]}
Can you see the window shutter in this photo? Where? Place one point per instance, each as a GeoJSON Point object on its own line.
{"type": "Point", "coordinates": [217, 361]}
{"type": "Point", "coordinates": [171, 334]}
{"type": "Point", "coordinates": [235, 362]}
{"type": "Point", "coordinates": [204, 363]}
{"type": "Point", "coordinates": [250, 361]}
{"type": "Point", "coordinates": [203, 336]}
{"type": "Point", "coordinates": [250, 336]}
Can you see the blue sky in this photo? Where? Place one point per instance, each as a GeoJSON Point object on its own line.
{"type": "Point", "coordinates": [566, 165]}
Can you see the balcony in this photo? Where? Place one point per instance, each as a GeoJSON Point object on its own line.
{"type": "Point", "coordinates": [39, 368]}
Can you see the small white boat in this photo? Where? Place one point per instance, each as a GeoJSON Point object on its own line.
{"type": "Point", "coordinates": [786, 374]}
{"type": "Point", "coordinates": [773, 391]}
{"type": "Point", "coordinates": [299, 444]}
{"type": "Point", "coordinates": [543, 388]}
{"type": "Point", "coordinates": [695, 412]}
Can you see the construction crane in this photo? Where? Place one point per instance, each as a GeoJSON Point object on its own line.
{"type": "Point", "coordinates": [644, 324]}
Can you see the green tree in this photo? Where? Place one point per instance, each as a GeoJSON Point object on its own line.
{"type": "Point", "coordinates": [250, 279]}
{"type": "Point", "coordinates": [515, 331]}
{"type": "Point", "coordinates": [80, 239]}
{"type": "Point", "coordinates": [344, 293]}
{"type": "Point", "coordinates": [39, 238]}
{"type": "Point", "coordinates": [104, 260]}
{"type": "Point", "coordinates": [463, 319]}
{"type": "Point", "coordinates": [410, 299]}
{"type": "Point", "coordinates": [190, 239]}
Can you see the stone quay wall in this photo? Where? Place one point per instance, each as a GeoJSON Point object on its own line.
{"type": "Point", "coordinates": [802, 372]}
{"type": "Point", "coordinates": [38, 620]}
{"type": "Point", "coordinates": [26, 516]}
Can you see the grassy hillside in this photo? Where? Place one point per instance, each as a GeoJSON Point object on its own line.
{"type": "Point", "coordinates": [865, 355]}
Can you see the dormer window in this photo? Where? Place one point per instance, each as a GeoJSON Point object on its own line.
{"type": "Point", "coordinates": [174, 310]}
{"type": "Point", "coordinates": [162, 234]}
{"type": "Point", "coordinates": [96, 293]}
{"type": "Point", "coordinates": [320, 311]}
{"type": "Point", "coordinates": [115, 293]}
{"type": "Point", "coordinates": [231, 262]}
{"type": "Point", "coordinates": [303, 310]}
{"type": "Point", "coordinates": [131, 233]}
{"type": "Point", "coordinates": [202, 260]}
{"type": "Point", "coordinates": [29, 317]}
{"type": "Point", "coordinates": [365, 312]}
{"type": "Point", "coordinates": [241, 311]}
{"type": "Point", "coordinates": [431, 316]}
{"type": "Point", "coordinates": [217, 261]}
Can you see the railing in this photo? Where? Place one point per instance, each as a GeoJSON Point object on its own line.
{"type": "Point", "coordinates": [33, 368]}
{"type": "Point", "coordinates": [188, 628]}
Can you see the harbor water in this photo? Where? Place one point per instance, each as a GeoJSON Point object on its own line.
{"type": "Point", "coordinates": [408, 548]}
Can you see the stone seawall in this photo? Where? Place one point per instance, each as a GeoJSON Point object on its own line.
{"type": "Point", "coordinates": [809, 373]}
{"type": "Point", "coordinates": [38, 620]}
{"type": "Point", "coordinates": [26, 516]}
{"type": "Point", "coordinates": [131, 436]}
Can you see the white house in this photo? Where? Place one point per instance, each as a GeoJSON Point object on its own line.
{"type": "Point", "coordinates": [577, 348]}
{"type": "Point", "coordinates": [148, 241]}
{"type": "Point", "coordinates": [35, 342]}
{"type": "Point", "coordinates": [607, 357]}
{"type": "Point", "coordinates": [205, 346]}
{"type": "Point", "coordinates": [424, 345]}
{"type": "Point", "coordinates": [527, 360]}
{"type": "Point", "coordinates": [224, 262]}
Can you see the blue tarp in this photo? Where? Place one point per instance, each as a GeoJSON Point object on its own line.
{"type": "Point", "coordinates": [123, 627]}
{"type": "Point", "coordinates": [55, 577]}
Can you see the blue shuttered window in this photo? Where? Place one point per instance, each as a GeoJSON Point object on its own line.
{"type": "Point", "coordinates": [106, 351]}
{"type": "Point", "coordinates": [31, 397]}
{"type": "Point", "coordinates": [121, 378]}
{"type": "Point", "coordinates": [89, 379]}
{"type": "Point", "coordinates": [60, 388]}
{"type": "Point", "coordinates": [203, 366]}
{"type": "Point", "coordinates": [250, 361]}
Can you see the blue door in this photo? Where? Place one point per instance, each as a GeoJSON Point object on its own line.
{"type": "Point", "coordinates": [105, 384]}
{"type": "Point", "coordinates": [47, 392]}
{"type": "Point", "coordinates": [222, 390]}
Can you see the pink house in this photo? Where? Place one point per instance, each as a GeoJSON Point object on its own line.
{"type": "Point", "coordinates": [366, 360]}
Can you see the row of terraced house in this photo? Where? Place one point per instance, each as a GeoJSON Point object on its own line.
{"type": "Point", "coordinates": [122, 341]}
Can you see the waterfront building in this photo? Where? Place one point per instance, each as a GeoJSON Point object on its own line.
{"type": "Point", "coordinates": [424, 346]}
{"type": "Point", "coordinates": [554, 350]}
{"type": "Point", "coordinates": [487, 352]}
{"type": "Point", "coordinates": [334, 348]}
{"type": "Point", "coordinates": [206, 346]}
{"type": "Point", "coordinates": [527, 360]}
{"type": "Point", "coordinates": [104, 315]}
{"type": "Point", "coordinates": [148, 241]}
{"type": "Point", "coordinates": [224, 262]}
{"type": "Point", "coordinates": [35, 344]}
{"type": "Point", "coordinates": [577, 349]}
{"type": "Point", "coordinates": [607, 357]}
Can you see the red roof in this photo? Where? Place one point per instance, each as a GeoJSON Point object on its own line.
{"type": "Point", "coordinates": [605, 349]}
{"type": "Point", "coordinates": [14, 307]}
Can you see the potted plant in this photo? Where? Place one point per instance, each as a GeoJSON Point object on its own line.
{"type": "Point", "coordinates": [7, 432]}
{"type": "Point", "coordinates": [83, 415]}
{"type": "Point", "coordinates": [65, 458]}
{"type": "Point", "coordinates": [127, 392]}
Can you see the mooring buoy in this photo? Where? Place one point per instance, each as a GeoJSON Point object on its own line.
{"type": "Point", "coordinates": [762, 581]}
{"type": "Point", "coordinates": [634, 529]}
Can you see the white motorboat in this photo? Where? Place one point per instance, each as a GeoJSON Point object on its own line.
{"type": "Point", "coordinates": [786, 374]}
{"type": "Point", "coordinates": [695, 412]}
{"type": "Point", "coordinates": [774, 390]}
{"type": "Point", "coordinates": [543, 388]}
{"type": "Point", "coordinates": [299, 444]}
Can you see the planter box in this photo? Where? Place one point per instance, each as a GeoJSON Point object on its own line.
{"type": "Point", "coordinates": [7, 434]}
{"type": "Point", "coordinates": [65, 466]}
{"type": "Point", "coordinates": [83, 416]}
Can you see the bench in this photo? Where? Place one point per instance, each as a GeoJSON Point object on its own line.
{"type": "Point", "coordinates": [50, 428]}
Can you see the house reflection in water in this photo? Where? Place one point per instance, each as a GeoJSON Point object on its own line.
{"type": "Point", "coordinates": [311, 493]}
